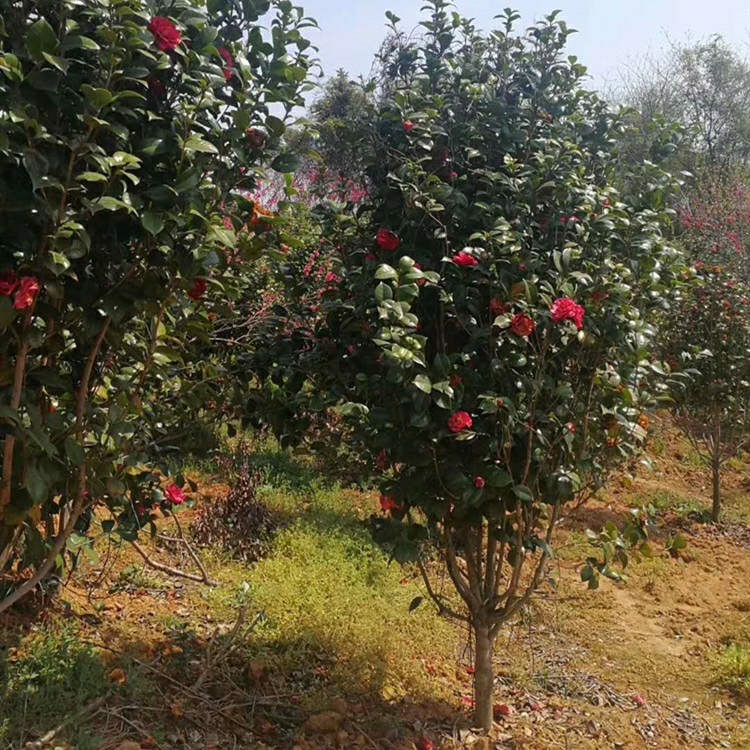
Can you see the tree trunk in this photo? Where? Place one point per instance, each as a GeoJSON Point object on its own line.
{"type": "Point", "coordinates": [716, 507]}
{"type": "Point", "coordinates": [716, 471]}
{"type": "Point", "coordinates": [483, 678]}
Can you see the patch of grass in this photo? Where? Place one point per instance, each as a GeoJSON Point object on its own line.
{"type": "Point", "coordinates": [48, 675]}
{"type": "Point", "coordinates": [656, 446]}
{"type": "Point", "coordinates": [664, 499]}
{"type": "Point", "coordinates": [575, 548]}
{"type": "Point", "coordinates": [335, 613]}
{"type": "Point", "coordinates": [652, 571]}
{"type": "Point", "coordinates": [329, 597]}
{"type": "Point", "coordinates": [732, 669]}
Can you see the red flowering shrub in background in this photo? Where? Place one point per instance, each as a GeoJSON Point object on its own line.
{"type": "Point", "coordinates": [715, 223]}
{"type": "Point", "coordinates": [707, 341]}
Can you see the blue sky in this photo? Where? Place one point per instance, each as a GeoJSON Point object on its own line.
{"type": "Point", "coordinates": [611, 32]}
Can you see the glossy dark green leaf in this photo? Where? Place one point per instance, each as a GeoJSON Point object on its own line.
{"type": "Point", "coordinates": [41, 38]}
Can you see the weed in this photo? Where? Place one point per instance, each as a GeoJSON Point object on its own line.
{"type": "Point", "coordinates": [652, 570]}
{"type": "Point", "coordinates": [136, 577]}
{"type": "Point", "coordinates": [676, 502]}
{"type": "Point", "coordinates": [41, 680]}
{"type": "Point", "coordinates": [732, 669]}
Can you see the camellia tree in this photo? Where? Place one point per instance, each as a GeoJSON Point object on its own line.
{"type": "Point", "coordinates": [487, 329]}
{"type": "Point", "coordinates": [709, 343]}
{"type": "Point", "coordinates": [131, 135]}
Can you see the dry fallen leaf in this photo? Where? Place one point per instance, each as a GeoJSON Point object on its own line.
{"type": "Point", "coordinates": [118, 676]}
{"type": "Point", "coordinates": [257, 671]}
{"type": "Point", "coordinates": [325, 723]}
{"type": "Point", "coordinates": [176, 710]}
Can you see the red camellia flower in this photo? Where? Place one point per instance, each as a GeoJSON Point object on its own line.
{"type": "Point", "coordinates": [498, 307]}
{"type": "Point", "coordinates": [389, 503]}
{"type": "Point", "coordinates": [198, 290]}
{"type": "Point", "coordinates": [566, 309]}
{"type": "Point", "coordinates": [8, 283]}
{"type": "Point", "coordinates": [387, 240]}
{"type": "Point", "coordinates": [175, 495]}
{"type": "Point", "coordinates": [464, 259]}
{"type": "Point", "coordinates": [455, 381]}
{"type": "Point", "coordinates": [228, 62]}
{"type": "Point", "coordinates": [425, 743]}
{"type": "Point", "coordinates": [166, 35]}
{"type": "Point", "coordinates": [479, 482]}
{"type": "Point", "coordinates": [500, 709]}
{"type": "Point", "coordinates": [521, 325]}
{"type": "Point", "coordinates": [256, 138]}
{"type": "Point", "coordinates": [408, 126]}
{"type": "Point", "coordinates": [26, 294]}
{"type": "Point", "coordinates": [599, 295]}
{"type": "Point", "coordinates": [460, 421]}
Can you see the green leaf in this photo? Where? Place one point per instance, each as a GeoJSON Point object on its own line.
{"type": "Point", "coordinates": [40, 38]}
{"type": "Point", "coordinates": [92, 177]}
{"type": "Point", "coordinates": [36, 167]}
{"type": "Point", "coordinates": [108, 203]}
{"type": "Point", "coordinates": [60, 263]}
{"type": "Point", "coordinates": [152, 222]}
{"type": "Point", "coordinates": [98, 97]}
{"type": "Point", "coordinates": [523, 493]}
{"type": "Point", "coordinates": [36, 483]}
{"type": "Point", "coordinates": [60, 63]}
{"type": "Point", "coordinates": [79, 42]}
{"type": "Point", "coordinates": [544, 546]}
{"type": "Point", "coordinates": [287, 162]}
{"type": "Point", "coordinates": [423, 383]}
{"type": "Point", "coordinates": [385, 272]}
{"type": "Point", "coordinates": [197, 144]}
{"type": "Point", "coordinates": [383, 292]}
{"type": "Point", "coordinates": [74, 451]}
{"type": "Point", "coordinates": [415, 602]}
{"type": "Point", "coordinates": [497, 477]}
{"type": "Point", "coordinates": [225, 236]}
{"type": "Point", "coordinates": [275, 125]}
{"type": "Point", "coordinates": [677, 543]}
{"type": "Point", "coordinates": [351, 409]}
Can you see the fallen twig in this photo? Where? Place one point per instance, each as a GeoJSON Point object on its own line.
{"type": "Point", "coordinates": [92, 708]}
{"type": "Point", "coordinates": [203, 578]}
{"type": "Point", "coordinates": [193, 553]}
